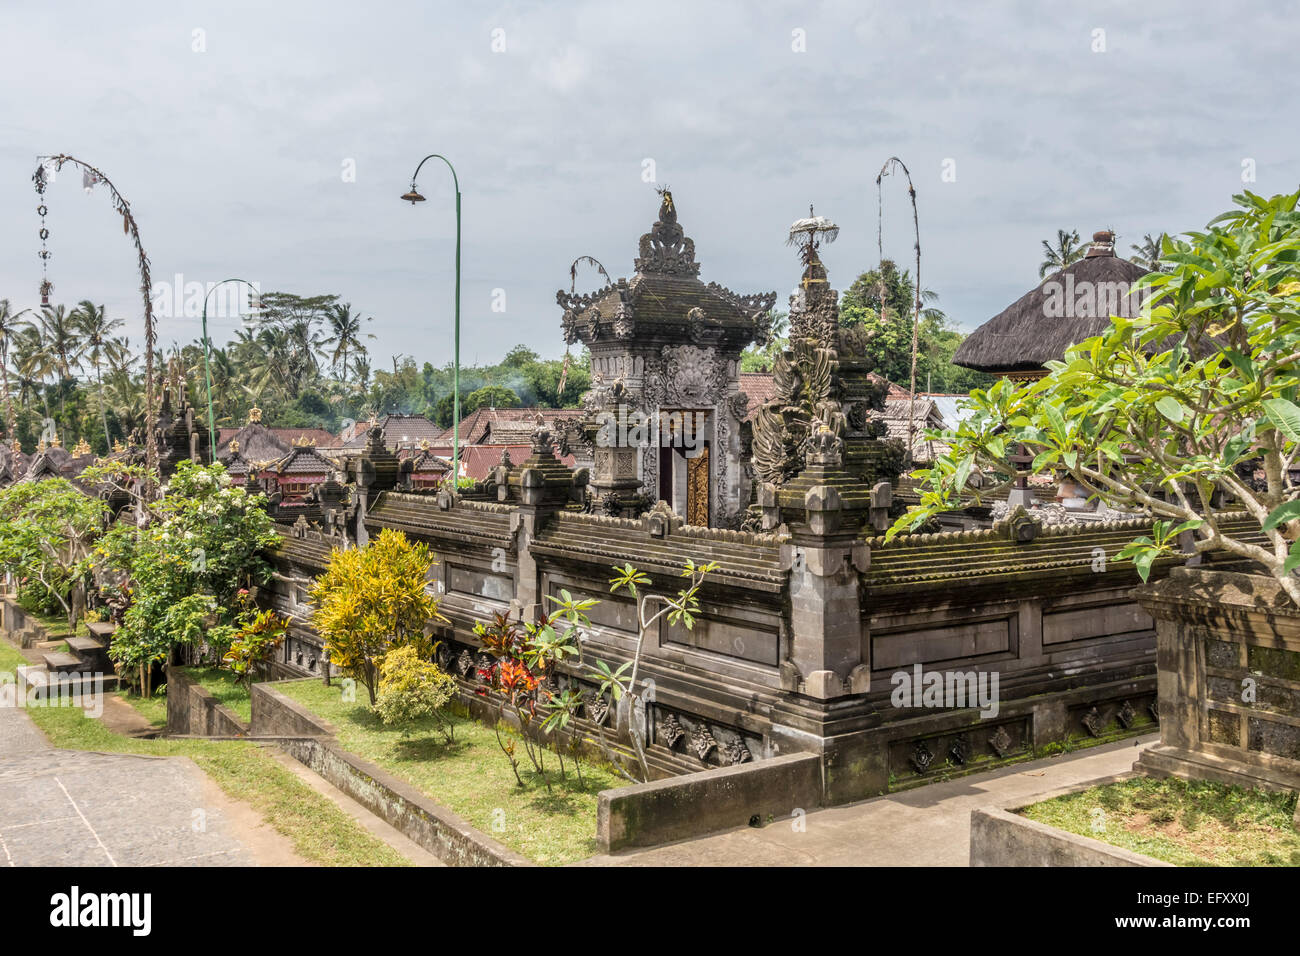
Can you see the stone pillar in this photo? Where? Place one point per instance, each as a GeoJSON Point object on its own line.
{"type": "Point", "coordinates": [825, 508]}
{"type": "Point", "coordinates": [542, 485]}
{"type": "Point", "coordinates": [375, 471]}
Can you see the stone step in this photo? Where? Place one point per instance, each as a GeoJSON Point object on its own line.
{"type": "Point", "coordinates": [92, 654]}
{"type": "Point", "coordinates": [61, 661]}
{"type": "Point", "coordinates": [38, 677]}
{"type": "Point", "coordinates": [102, 631]}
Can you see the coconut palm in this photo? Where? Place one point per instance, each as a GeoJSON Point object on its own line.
{"type": "Point", "coordinates": [96, 330]}
{"type": "Point", "coordinates": [344, 335]}
{"type": "Point", "coordinates": [1068, 249]}
{"type": "Point", "coordinates": [10, 324]}
{"type": "Point", "coordinates": [1147, 253]}
{"type": "Point", "coordinates": [63, 339]}
{"type": "Point", "coordinates": [34, 362]}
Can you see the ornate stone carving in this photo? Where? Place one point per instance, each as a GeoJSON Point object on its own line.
{"type": "Point", "coordinates": [738, 405]}
{"type": "Point", "coordinates": [736, 752]}
{"type": "Point", "coordinates": [465, 664]}
{"type": "Point", "coordinates": [703, 742]}
{"type": "Point", "coordinates": [921, 757]}
{"type": "Point", "coordinates": [670, 730]}
{"type": "Point", "coordinates": [1092, 722]}
{"type": "Point", "coordinates": [624, 324]}
{"type": "Point", "coordinates": [959, 751]}
{"type": "Point", "coordinates": [686, 375]}
{"type": "Point", "coordinates": [598, 710]}
{"type": "Point", "coordinates": [1000, 741]}
{"type": "Point", "coordinates": [665, 249]}
{"type": "Point", "coordinates": [1126, 714]}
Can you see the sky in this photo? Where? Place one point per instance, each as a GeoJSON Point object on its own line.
{"type": "Point", "coordinates": [272, 142]}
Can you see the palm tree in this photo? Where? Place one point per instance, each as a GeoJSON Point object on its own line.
{"type": "Point", "coordinates": [96, 330]}
{"type": "Point", "coordinates": [9, 327]}
{"type": "Point", "coordinates": [34, 362]}
{"type": "Point", "coordinates": [63, 340]}
{"type": "Point", "coordinates": [1068, 249]}
{"type": "Point", "coordinates": [1147, 253]}
{"type": "Point", "coordinates": [345, 334]}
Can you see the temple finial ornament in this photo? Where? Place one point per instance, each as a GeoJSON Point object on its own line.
{"type": "Point", "coordinates": [254, 415]}
{"type": "Point", "coordinates": [665, 248]}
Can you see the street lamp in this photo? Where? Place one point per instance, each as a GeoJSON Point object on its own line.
{"type": "Point", "coordinates": [256, 305]}
{"type": "Point", "coordinates": [414, 197]}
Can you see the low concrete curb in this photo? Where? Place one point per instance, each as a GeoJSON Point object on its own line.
{"type": "Point", "coordinates": [310, 741]}
{"type": "Point", "coordinates": [192, 710]}
{"type": "Point", "coordinates": [1002, 837]}
{"type": "Point", "coordinates": [677, 808]}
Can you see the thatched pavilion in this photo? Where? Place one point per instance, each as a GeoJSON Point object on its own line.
{"type": "Point", "coordinates": [1066, 307]}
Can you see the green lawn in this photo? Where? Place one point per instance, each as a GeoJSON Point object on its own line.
{"type": "Point", "coordinates": [472, 777]}
{"type": "Point", "coordinates": [1189, 823]}
{"type": "Point", "coordinates": [56, 625]}
{"type": "Point", "coordinates": [153, 708]}
{"type": "Point", "coordinates": [221, 684]}
{"type": "Point", "coordinates": [318, 829]}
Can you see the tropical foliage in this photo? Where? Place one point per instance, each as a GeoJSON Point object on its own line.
{"type": "Point", "coordinates": [412, 688]}
{"type": "Point", "coordinates": [1191, 402]}
{"type": "Point", "coordinates": [187, 568]}
{"type": "Point", "coordinates": [303, 360]}
{"type": "Point", "coordinates": [47, 531]}
{"type": "Point", "coordinates": [530, 656]}
{"type": "Point", "coordinates": [373, 599]}
{"type": "Point", "coordinates": [254, 645]}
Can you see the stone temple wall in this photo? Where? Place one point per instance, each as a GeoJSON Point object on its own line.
{"type": "Point", "coordinates": [799, 647]}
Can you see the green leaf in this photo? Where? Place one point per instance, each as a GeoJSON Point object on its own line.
{"type": "Point", "coordinates": [1285, 417]}
{"type": "Point", "coordinates": [1171, 408]}
{"type": "Point", "coordinates": [1282, 514]}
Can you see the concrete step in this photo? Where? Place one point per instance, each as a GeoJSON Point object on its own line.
{"type": "Point", "coordinates": [61, 661]}
{"type": "Point", "coordinates": [37, 677]}
{"type": "Point", "coordinates": [92, 654]}
{"type": "Point", "coordinates": [102, 631]}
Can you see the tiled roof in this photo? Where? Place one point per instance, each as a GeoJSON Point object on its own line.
{"type": "Point", "coordinates": [479, 460]}
{"type": "Point", "coordinates": [399, 431]}
{"type": "Point", "coordinates": [484, 425]}
{"type": "Point", "coordinates": [288, 437]}
{"type": "Point", "coordinates": [989, 555]}
{"type": "Point", "coordinates": [760, 388]}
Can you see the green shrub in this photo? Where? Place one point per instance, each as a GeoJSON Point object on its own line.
{"type": "Point", "coordinates": [411, 688]}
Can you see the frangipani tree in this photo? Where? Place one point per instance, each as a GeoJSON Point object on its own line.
{"type": "Point", "coordinates": [1165, 409]}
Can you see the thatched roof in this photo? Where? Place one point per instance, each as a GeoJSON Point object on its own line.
{"type": "Point", "coordinates": [1065, 308]}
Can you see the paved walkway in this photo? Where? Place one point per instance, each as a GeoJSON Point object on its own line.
{"type": "Point", "coordinates": [929, 826]}
{"type": "Point", "coordinates": [67, 807]}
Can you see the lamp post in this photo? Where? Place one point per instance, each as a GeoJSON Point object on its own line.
{"type": "Point", "coordinates": [207, 369]}
{"type": "Point", "coordinates": [414, 197]}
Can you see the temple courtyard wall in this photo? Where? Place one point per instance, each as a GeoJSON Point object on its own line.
{"type": "Point", "coordinates": [800, 648]}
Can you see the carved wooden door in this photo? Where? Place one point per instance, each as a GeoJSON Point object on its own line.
{"type": "Point", "coordinates": [697, 488]}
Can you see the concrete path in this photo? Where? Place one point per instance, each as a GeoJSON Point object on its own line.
{"type": "Point", "coordinates": [67, 807]}
{"type": "Point", "coordinates": [929, 826]}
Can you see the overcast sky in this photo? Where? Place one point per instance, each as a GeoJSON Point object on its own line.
{"type": "Point", "coordinates": [232, 128]}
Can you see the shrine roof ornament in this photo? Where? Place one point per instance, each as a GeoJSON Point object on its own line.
{"type": "Point", "coordinates": [812, 230]}
{"type": "Point", "coordinates": [665, 249]}
{"type": "Point", "coordinates": [665, 301]}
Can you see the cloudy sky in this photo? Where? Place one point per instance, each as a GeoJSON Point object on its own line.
{"type": "Point", "coordinates": [271, 141]}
